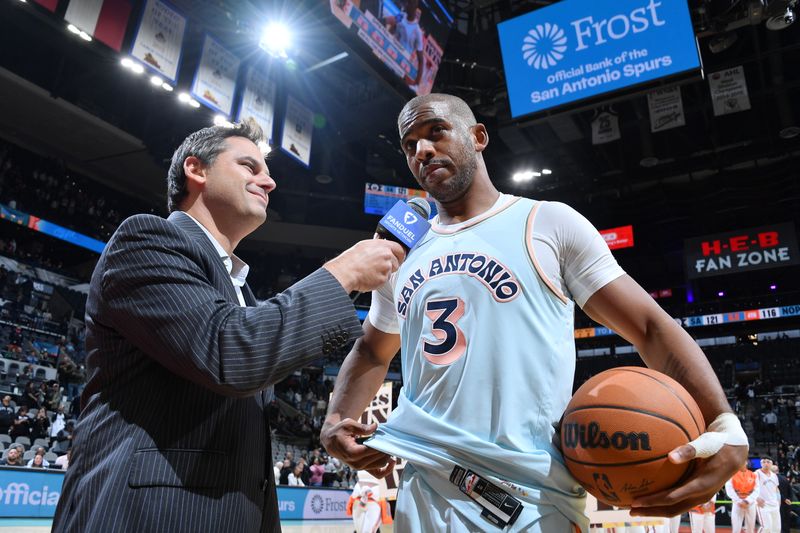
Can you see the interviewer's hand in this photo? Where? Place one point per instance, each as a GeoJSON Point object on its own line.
{"type": "Point", "coordinates": [706, 479]}
{"type": "Point", "coordinates": [339, 441]}
{"type": "Point", "coordinates": [367, 265]}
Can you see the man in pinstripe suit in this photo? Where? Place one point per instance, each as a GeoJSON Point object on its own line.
{"type": "Point", "coordinates": [174, 436]}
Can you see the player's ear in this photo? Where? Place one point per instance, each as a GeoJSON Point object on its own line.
{"type": "Point", "coordinates": [480, 137]}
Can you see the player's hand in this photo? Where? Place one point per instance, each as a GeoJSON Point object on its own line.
{"type": "Point", "coordinates": [707, 477]}
{"type": "Point", "coordinates": [760, 501]}
{"type": "Point", "coordinates": [339, 440]}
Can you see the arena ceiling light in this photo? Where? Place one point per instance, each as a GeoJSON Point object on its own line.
{"type": "Point", "coordinates": [525, 175]}
{"type": "Point", "coordinates": [79, 32]}
{"type": "Point", "coordinates": [156, 80]}
{"type": "Point", "coordinates": [276, 39]}
{"type": "Point", "coordinates": [546, 171]}
{"type": "Point", "coordinates": [222, 120]}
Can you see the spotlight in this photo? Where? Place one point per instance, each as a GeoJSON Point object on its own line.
{"type": "Point", "coordinates": [194, 103]}
{"type": "Point", "coordinates": [167, 87]}
{"type": "Point", "coordinates": [773, 287]}
{"type": "Point", "coordinates": [222, 120]}
{"type": "Point", "coordinates": [73, 29]}
{"type": "Point", "coordinates": [157, 81]}
{"type": "Point", "coordinates": [721, 294]}
{"type": "Point", "coordinates": [546, 171]}
{"type": "Point", "coordinates": [126, 62]}
{"type": "Point", "coordinates": [780, 22]}
{"type": "Point", "coordinates": [275, 39]}
{"type": "Point", "coordinates": [85, 36]}
{"type": "Point", "coordinates": [137, 68]}
{"type": "Point", "coordinates": [184, 97]}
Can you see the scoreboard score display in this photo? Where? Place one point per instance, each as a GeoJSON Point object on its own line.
{"type": "Point", "coordinates": [740, 251]}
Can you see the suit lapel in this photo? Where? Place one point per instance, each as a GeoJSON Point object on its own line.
{"type": "Point", "coordinates": [225, 285]}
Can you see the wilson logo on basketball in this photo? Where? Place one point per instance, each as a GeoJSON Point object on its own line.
{"type": "Point", "coordinates": [591, 436]}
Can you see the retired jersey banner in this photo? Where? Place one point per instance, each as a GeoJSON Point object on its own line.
{"type": "Point", "coordinates": [215, 79]}
{"type": "Point", "coordinates": [258, 101]}
{"type": "Point", "coordinates": [621, 237]}
{"type": "Point", "coordinates": [743, 250]}
{"type": "Point", "coordinates": [666, 109]}
{"type": "Point", "coordinates": [297, 128]}
{"type": "Point", "coordinates": [605, 127]}
{"type": "Point", "coordinates": [159, 38]}
{"type": "Point", "coordinates": [105, 20]}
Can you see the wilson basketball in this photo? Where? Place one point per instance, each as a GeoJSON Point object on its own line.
{"type": "Point", "coordinates": [618, 429]}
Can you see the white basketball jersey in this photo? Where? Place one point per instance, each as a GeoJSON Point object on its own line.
{"type": "Point", "coordinates": [488, 357]}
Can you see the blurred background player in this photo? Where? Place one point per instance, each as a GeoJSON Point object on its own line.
{"type": "Point", "coordinates": [367, 506]}
{"type": "Point", "coordinates": [742, 489]}
{"type": "Point", "coordinates": [702, 518]}
{"type": "Point", "coordinates": [768, 502]}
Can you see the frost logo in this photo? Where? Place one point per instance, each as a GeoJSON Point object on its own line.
{"type": "Point", "coordinates": [544, 46]}
{"type": "Point", "coordinates": [409, 218]}
{"type": "Point", "coordinates": [317, 504]}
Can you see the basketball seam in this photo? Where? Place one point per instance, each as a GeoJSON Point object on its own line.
{"type": "Point", "coordinates": [635, 410]}
{"type": "Point", "coordinates": [670, 389]}
{"type": "Point", "coordinates": [630, 463]}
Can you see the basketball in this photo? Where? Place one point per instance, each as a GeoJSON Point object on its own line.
{"type": "Point", "coordinates": [618, 429]}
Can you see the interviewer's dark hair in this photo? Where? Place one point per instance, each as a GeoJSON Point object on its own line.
{"type": "Point", "coordinates": [205, 145]}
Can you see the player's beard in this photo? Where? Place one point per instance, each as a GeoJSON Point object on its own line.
{"type": "Point", "coordinates": [466, 163]}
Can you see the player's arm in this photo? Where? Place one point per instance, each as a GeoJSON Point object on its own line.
{"type": "Point", "coordinates": [754, 496]}
{"type": "Point", "coordinates": [362, 374]}
{"type": "Point", "coordinates": [626, 308]}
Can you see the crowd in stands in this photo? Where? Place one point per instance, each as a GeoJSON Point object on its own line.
{"type": "Point", "coordinates": [312, 468]}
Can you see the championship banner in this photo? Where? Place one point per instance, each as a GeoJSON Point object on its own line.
{"type": "Point", "coordinates": [215, 79]}
{"type": "Point", "coordinates": [297, 127]}
{"type": "Point", "coordinates": [158, 39]}
{"type": "Point", "coordinates": [742, 251]}
{"type": "Point", "coordinates": [621, 237]}
{"type": "Point", "coordinates": [105, 20]}
{"type": "Point", "coordinates": [378, 411]}
{"type": "Point", "coordinates": [258, 101]}
{"type": "Point", "coordinates": [666, 109]}
{"type": "Point", "coordinates": [729, 91]}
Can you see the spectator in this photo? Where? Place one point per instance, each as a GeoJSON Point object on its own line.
{"type": "Point", "coordinates": [64, 438]}
{"type": "Point", "coordinates": [7, 415]}
{"type": "Point", "coordinates": [59, 421]}
{"type": "Point", "coordinates": [277, 469]}
{"type": "Point", "coordinates": [295, 477]}
{"type": "Point", "coordinates": [40, 427]}
{"type": "Point", "coordinates": [53, 396]}
{"type": "Point", "coordinates": [317, 471]}
{"type": "Point", "coordinates": [22, 424]}
{"type": "Point", "coordinates": [13, 456]}
{"type": "Point", "coordinates": [30, 398]}
{"type": "Point", "coordinates": [63, 460]}
{"type": "Point", "coordinates": [38, 460]}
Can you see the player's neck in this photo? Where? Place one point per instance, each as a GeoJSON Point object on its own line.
{"type": "Point", "coordinates": [480, 198]}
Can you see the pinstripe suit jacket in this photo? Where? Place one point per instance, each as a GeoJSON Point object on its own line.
{"type": "Point", "coordinates": [174, 435]}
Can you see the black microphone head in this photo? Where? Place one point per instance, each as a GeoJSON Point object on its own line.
{"type": "Point", "coordinates": [421, 206]}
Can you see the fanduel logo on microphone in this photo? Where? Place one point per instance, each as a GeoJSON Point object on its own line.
{"type": "Point", "coordinates": [402, 222]}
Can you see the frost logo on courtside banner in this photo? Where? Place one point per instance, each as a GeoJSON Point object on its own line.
{"type": "Point", "coordinates": [544, 46]}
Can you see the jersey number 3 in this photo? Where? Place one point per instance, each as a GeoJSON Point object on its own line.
{"type": "Point", "coordinates": [452, 343]}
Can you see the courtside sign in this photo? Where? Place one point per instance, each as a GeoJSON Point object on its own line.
{"type": "Point", "coordinates": [577, 49]}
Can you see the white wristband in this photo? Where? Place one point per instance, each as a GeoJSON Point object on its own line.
{"type": "Point", "coordinates": [725, 429]}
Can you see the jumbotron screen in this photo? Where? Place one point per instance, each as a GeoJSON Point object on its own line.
{"type": "Point", "coordinates": [407, 36]}
{"type": "Point", "coordinates": [379, 199]}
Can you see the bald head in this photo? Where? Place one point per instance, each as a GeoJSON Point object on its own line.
{"type": "Point", "coordinates": [458, 108]}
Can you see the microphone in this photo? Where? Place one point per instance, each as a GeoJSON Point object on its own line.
{"type": "Point", "coordinates": [405, 223]}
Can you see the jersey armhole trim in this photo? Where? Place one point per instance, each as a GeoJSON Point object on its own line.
{"type": "Point", "coordinates": [532, 255]}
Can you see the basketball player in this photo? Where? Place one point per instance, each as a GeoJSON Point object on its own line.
{"type": "Point", "coordinates": [483, 310]}
{"type": "Point", "coordinates": [768, 502]}
{"type": "Point", "coordinates": [742, 489]}
{"type": "Point", "coordinates": [702, 518]}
